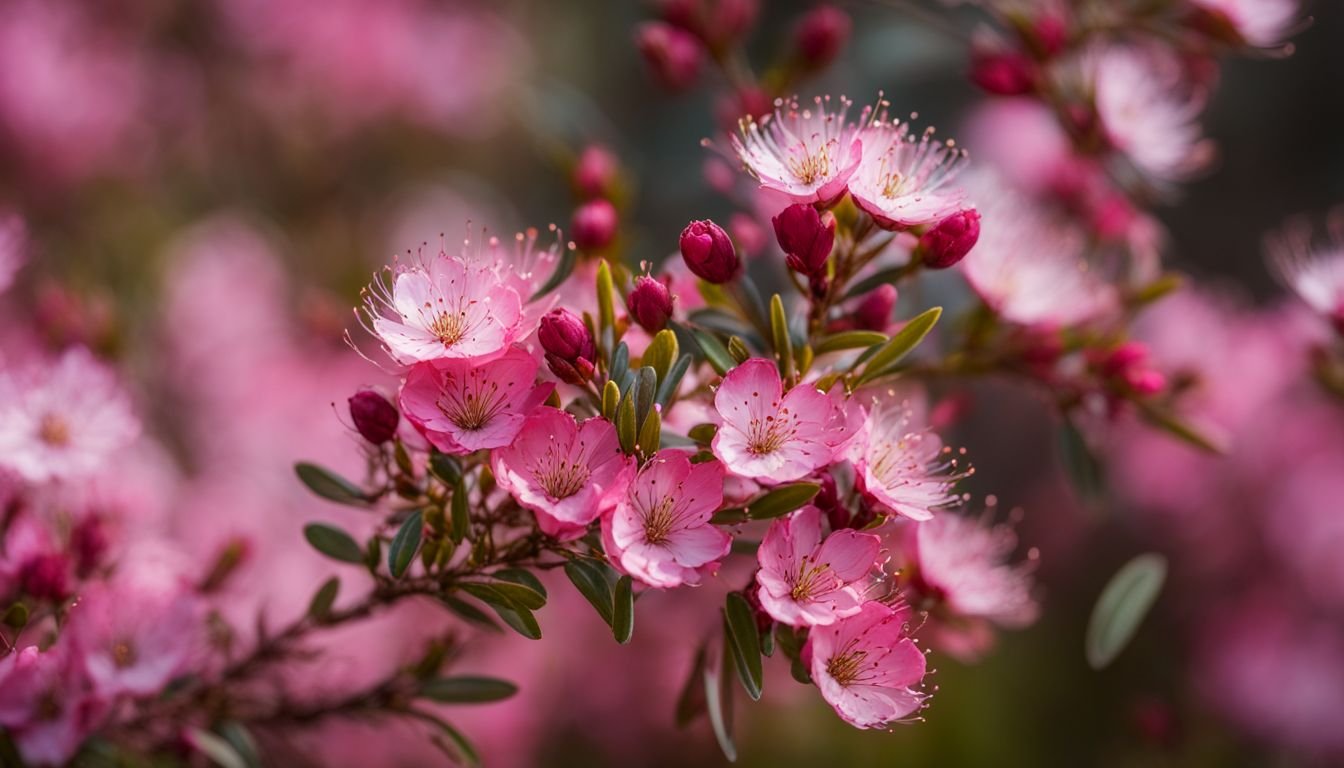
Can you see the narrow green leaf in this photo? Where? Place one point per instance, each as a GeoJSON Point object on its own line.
{"type": "Point", "coordinates": [219, 751]}
{"type": "Point", "coordinates": [458, 748]}
{"type": "Point", "coordinates": [1080, 464]}
{"type": "Point", "coordinates": [505, 593]}
{"type": "Point", "coordinates": [237, 735]}
{"type": "Point", "coordinates": [623, 611]}
{"type": "Point", "coordinates": [1123, 604]}
{"type": "Point", "coordinates": [445, 467]}
{"type": "Point", "coordinates": [646, 389]}
{"type": "Point", "coordinates": [650, 435]}
{"type": "Point", "coordinates": [691, 700]}
{"type": "Point", "coordinates": [588, 577]}
{"type": "Point", "coordinates": [667, 388]}
{"type": "Point", "coordinates": [782, 500]}
{"type": "Point", "coordinates": [330, 485]}
{"type": "Point", "coordinates": [520, 620]}
{"type": "Point", "coordinates": [405, 544]}
{"type": "Point", "coordinates": [626, 430]}
{"type": "Point", "coordinates": [714, 352]}
{"type": "Point", "coordinates": [620, 363]}
{"type": "Point", "coordinates": [611, 400]}
{"type": "Point", "coordinates": [850, 340]}
{"type": "Point", "coordinates": [730, 516]}
{"type": "Point", "coordinates": [563, 269]}
{"type": "Point", "coordinates": [661, 353]}
{"type": "Point", "coordinates": [460, 522]}
{"type": "Point", "coordinates": [524, 577]}
{"type": "Point", "coordinates": [606, 304]}
{"type": "Point", "coordinates": [469, 612]}
{"type": "Point", "coordinates": [779, 332]}
{"type": "Point", "coordinates": [320, 606]}
{"type": "Point", "coordinates": [899, 346]}
{"type": "Point", "coordinates": [738, 349]}
{"type": "Point", "coordinates": [877, 280]}
{"type": "Point", "coordinates": [467, 689]}
{"type": "Point", "coordinates": [718, 701]}
{"type": "Point", "coordinates": [1188, 433]}
{"type": "Point", "coordinates": [745, 641]}
{"type": "Point", "coordinates": [333, 542]}
{"type": "Point", "coordinates": [703, 433]}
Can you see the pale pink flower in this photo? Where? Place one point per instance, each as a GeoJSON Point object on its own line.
{"type": "Point", "coordinates": [566, 472]}
{"type": "Point", "coordinates": [660, 531]}
{"type": "Point", "coordinates": [963, 564]}
{"type": "Point", "coordinates": [807, 153]}
{"type": "Point", "coordinates": [461, 408]}
{"type": "Point", "coordinates": [905, 181]}
{"type": "Point", "coordinates": [807, 581]}
{"type": "Point", "coordinates": [13, 246]}
{"type": "Point", "coordinates": [1260, 23]}
{"type": "Point", "coordinates": [905, 471]}
{"type": "Point", "coordinates": [46, 706]}
{"type": "Point", "coordinates": [66, 420]}
{"type": "Point", "coordinates": [1314, 272]}
{"type": "Point", "coordinates": [867, 667]}
{"type": "Point", "coordinates": [767, 434]}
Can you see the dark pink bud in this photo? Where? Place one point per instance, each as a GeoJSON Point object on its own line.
{"type": "Point", "coordinates": [89, 544]}
{"type": "Point", "coordinates": [1003, 73]}
{"type": "Point", "coordinates": [650, 303]}
{"type": "Point", "coordinates": [595, 172]}
{"type": "Point", "coordinates": [46, 577]}
{"type": "Point", "coordinates": [1121, 359]}
{"type": "Point", "coordinates": [1049, 34]}
{"type": "Point", "coordinates": [747, 233]}
{"type": "Point", "coordinates": [1146, 381]}
{"type": "Point", "coordinates": [729, 21]}
{"type": "Point", "coordinates": [709, 252]}
{"type": "Point", "coordinates": [568, 345]}
{"type": "Point", "coordinates": [821, 34]}
{"type": "Point", "coordinates": [685, 14]}
{"type": "Point", "coordinates": [950, 240]}
{"type": "Point", "coordinates": [594, 225]}
{"type": "Point", "coordinates": [806, 237]}
{"type": "Point", "coordinates": [672, 54]}
{"type": "Point", "coordinates": [374, 417]}
{"type": "Point", "coordinates": [1337, 319]}
{"type": "Point", "coordinates": [873, 312]}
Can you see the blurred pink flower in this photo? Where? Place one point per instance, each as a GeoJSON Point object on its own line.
{"type": "Point", "coordinates": [807, 153]}
{"type": "Point", "coordinates": [462, 408]}
{"type": "Point", "coordinates": [1314, 273]}
{"type": "Point", "coordinates": [867, 667]}
{"type": "Point", "coordinates": [46, 705]}
{"type": "Point", "coordinates": [808, 581]}
{"type": "Point", "coordinates": [1260, 23]}
{"type": "Point", "coordinates": [13, 247]}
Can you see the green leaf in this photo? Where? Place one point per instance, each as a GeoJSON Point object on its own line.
{"type": "Point", "coordinates": [779, 332]}
{"type": "Point", "coordinates": [718, 701]}
{"type": "Point", "coordinates": [467, 689]}
{"type": "Point", "coordinates": [611, 400]}
{"type": "Point", "coordinates": [469, 612]}
{"type": "Point", "coordinates": [520, 620]}
{"type": "Point", "coordinates": [458, 748]}
{"type": "Point", "coordinates": [405, 544]}
{"type": "Point", "coordinates": [445, 467]}
{"type": "Point", "coordinates": [330, 485]}
{"type": "Point", "coordinates": [242, 742]}
{"type": "Point", "coordinates": [667, 388]}
{"type": "Point", "coordinates": [1123, 604]}
{"type": "Point", "coordinates": [876, 280]}
{"type": "Point", "coordinates": [738, 349]}
{"type": "Point", "coordinates": [219, 751]}
{"type": "Point", "coordinates": [524, 577]}
{"type": "Point", "coordinates": [606, 304]}
{"type": "Point", "coordinates": [1187, 433]}
{"type": "Point", "coordinates": [899, 346]}
{"type": "Point", "coordinates": [16, 616]}
{"type": "Point", "coordinates": [650, 435]}
{"type": "Point", "coordinates": [703, 433]}
{"type": "Point", "coordinates": [744, 639]}
{"type": "Point", "coordinates": [590, 579]}
{"type": "Point", "coordinates": [1080, 464]}
{"type": "Point", "coordinates": [730, 516]}
{"type": "Point", "coordinates": [691, 700]}
{"type": "Point", "coordinates": [782, 500]}
{"type": "Point", "coordinates": [661, 353]}
{"type": "Point", "coordinates": [626, 430]}
{"type": "Point", "coordinates": [714, 351]}
{"type": "Point", "coordinates": [320, 606]}
{"type": "Point", "coordinates": [620, 363]}
{"type": "Point", "coordinates": [505, 593]}
{"type": "Point", "coordinates": [646, 389]}
{"type": "Point", "coordinates": [850, 340]}
{"type": "Point", "coordinates": [563, 269]}
{"type": "Point", "coordinates": [623, 611]}
{"type": "Point", "coordinates": [333, 542]}
{"type": "Point", "coordinates": [459, 527]}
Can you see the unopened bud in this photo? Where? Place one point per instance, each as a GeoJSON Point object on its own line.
{"type": "Point", "coordinates": [709, 252]}
{"type": "Point", "coordinates": [806, 237]}
{"type": "Point", "coordinates": [873, 312]}
{"type": "Point", "coordinates": [1003, 73]}
{"type": "Point", "coordinates": [568, 345]}
{"type": "Point", "coordinates": [650, 303]}
{"type": "Point", "coordinates": [374, 417]}
{"type": "Point", "coordinates": [950, 240]}
{"type": "Point", "coordinates": [595, 172]}
{"type": "Point", "coordinates": [671, 53]}
{"type": "Point", "coordinates": [594, 225]}
{"type": "Point", "coordinates": [46, 577]}
{"type": "Point", "coordinates": [821, 34]}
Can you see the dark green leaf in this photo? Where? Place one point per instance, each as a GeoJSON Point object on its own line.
{"type": "Point", "coordinates": [459, 527]}
{"type": "Point", "coordinates": [219, 751]}
{"type": "Point", "coordinates": [850, 340]}
{"type": "Point", "coordinates": [457, 748]}
{"type": "Point", "coordinates": [469, 612]}
{"type": "Point", "coordinates": [650, 435]}
{"type": "Point", "coordinates": [405, 544]}
{"type": "Point", "coordinates": [330, 485]}
{"type": "Point", "coordinates": [906, 339]}
{"type": "Point", "coordinates": [661, 353]}
{"type": "Point", "coordinates": [445, 467]}
{"type": "Point", "coordinates": [606, 303]}
{"type": "Point", "coordinates": [668, 387]}
{"type": "Point", "coordinates": [738, 349]}
{"type": "Point", "coordinates": [333, 542]}
{"type": "Point", "coordinates": [718, 701]}
{"type": "Point", "coordinates": [646, 389]}
{"type": "Point", "coordinates": [779, 333]}
{"type": "Point", "coordinates": [730, 516]}
{"type": "Point", "coordinates": [467, 689]}
{"type": "Point", "coordinates": [782, 500]}
{"type": "Point", "coordinates": [505, 593]}
{"type": "Point", "coordinates": [714, 352]}
{"type": "Point", "coordinates": [1122, 607]}
{"type": "Point", "coordinates": [1183, 431]}
{"type": "Point", "coordinates": [242, 742]}
{"type": "Point", "coordinates": [1082, 467]}
{"type": "Point", "coordinates": [520, 620]}
{"type": "Point", "coordinates": [627, 430]}
{"type": "Point", "coordinates": [691, 701]}
{"type": "Point", "coordinates": [320, 606]}
{"type": "Point", "coordinates": [623, 611]}
{"type": "Point", "coordinates": [16, 616]}
{"type": "Point", "coordinates": [744, 639]}
{"type": "Point", "coordinates": [620, 363]}
{"type": "Point", "coordinates": [703, 433]}
{"type": "Point", "coordinates": [563, 269]}
{"type": "Point", "coordinates": [611, 400]}
{"type": "Point", "coordinates": [524, 577]}
{"type": "Point", "coordinates": [588, 577]}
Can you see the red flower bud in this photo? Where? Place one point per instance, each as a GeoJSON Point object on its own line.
{"type": "Point", "coordinates": [950, 240]}
{"type": "Point", "coordinates": [820, 36]}
{"type": "Point", "coordinates": [46, 577]}
{"type": "Point", "coordinates": [568, 345]}
{"type": "Point", "coordinates": [374, 417]}
{"type": "Point", "coordinates": [650, 303]}
{"type": "Point", "coordinates": [594, 225]}
{"type": "Point", "coordinates": [709, 252]}
{"type": "Point", "coordinates": [672, 54]}
{"type": "Point", "coordinates": [806, 237]}
{"type": "Point", "coordinates": [1003, 73]}
{"type": "Point", "coordinates": [874, 312]}
{"type": "Point", "coordinates": [595, 172]}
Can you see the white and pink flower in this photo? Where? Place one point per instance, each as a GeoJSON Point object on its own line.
{"type": "Point", "coordinates": [461, 408]}
{"type": "Point", "coordinates": [1315, 274]}
{"type": "Point", "coordinates": [660, 531]}
{"type": "Point", "coordinates": [1260, 23]}
{"type": "Point", "coordinates": [808, 581]}
{"type": "Point", "coordinates": [867, 667]}
{"type": "Point", "coordinates": [770, 435]}
{"type": "Point", "coordinates": [806, 153]}
{"type": "Point", "coordinates": [47, 707]}
{"type": "Point", "coordinates": [904, 471]}
{"type": "Point", "coordinates": [568, 473]}
{"type": "Point", "coordinates": [904, 181]}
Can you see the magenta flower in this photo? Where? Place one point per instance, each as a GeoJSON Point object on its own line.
{"type": "Point", "coordinates": [905, 182]}
{"type": "Point", "coordinates": [806, 581]}
{"type": "Point", "coordinates": [47, 707]}
{"type": "Point", "coordinates": [906, 472]}
{"type": "Point", "coordinates": [807, 153]}
{"type": "Point", "coordinates": [68, 420]}
{"type": "Point", "coordinates": [767, 434]}
{"type": "Point", "coordinates": [568, 473]}
{"type": "Point", "coordinates": [660, 532]}
{"type": "Point", "coordinates": [867, 667]}
{"type": "Point", "coordinates": [461, 408]}
{"type": "Point", "coordinates": [13, 247]}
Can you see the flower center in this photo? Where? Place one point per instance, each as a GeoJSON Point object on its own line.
{"type": "Point", "coordinates": [123, 654]}
{"type": "Point", "coordinates": [560, 477]}
{"type": "Point", "coordinates": [658, 521]}
{"type": "Point", "coordinates": [449, 327]}
{"type": "Point", "coordinates": [471, 410]}
{"type": "Point", "coordinates": [768, 435]}
{"type": "Point", "coordinates": [807, 582]}
{"type": "Point", "coordinates": [845, 668]}
{"type": "Point", "coordinates": [807, 166]}
{"type": "Point", "coordinates": [54, 431]}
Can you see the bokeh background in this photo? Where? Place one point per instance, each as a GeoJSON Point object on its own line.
{"type": "Point", "coordinates": [208, 183]}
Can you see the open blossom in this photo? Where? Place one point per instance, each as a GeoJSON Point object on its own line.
{"type": "Point", "coordinates": [867, 667]}
{"type": "Point", "coordinates": [660, 531]}
{"type": "Point", "coordinates": [767, 434]}
{"type": "Point", "coordinates": [66, 420]}
{"type": "Point", "coordinates": [47, 707]}
{"type": "Point", "coordinates": [1316, 275]}
{"type": "Point", "coordinates": [461, 408]}
{"type": "Point", "coordinates": [568, 473]}
{"type": "Point", "coordinates": [1260, 23]}
{"type": "Point", "coordinates": [807, 153]}
{"type": "Point", "coordinates": [807, 581]}
{"type": "Point", "coordinates": [904, 181]}
{"type": "Point", "coordinates": [905, 471]}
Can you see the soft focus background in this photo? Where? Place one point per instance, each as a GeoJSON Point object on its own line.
{"type": "Point", "coordinates": [207, 184]}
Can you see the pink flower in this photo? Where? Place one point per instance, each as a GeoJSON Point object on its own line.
{"type": "Point", "coordinates": [67, 420]}
{"type": "Point", "coordinates": [568, 473]}
{"type": "Point", "coordinates": [660, 532]}
{"type": "Point", "coordinates": [1315, 274]}
{"type": "Point", "coordinates": [806, 581]}
{"type": "Point", "coordinates": [867, 667]}
{"type": "Point", "coordinates": [808, 154]}
{"type": "Point", "coordinates": [906, 472]}
{"type": "Point", "coordinates": [904, 182]}
{"type": "Point", "coordinates": [13, 245]}
{"type": "Point", "coordinates": [46, 707]}
{"type": "Point", "coordinates": [461, 408]}
{"type": "Point", "coordinates": [769, 435]}
{"type": "Point", "coordinates": [1261, 23]}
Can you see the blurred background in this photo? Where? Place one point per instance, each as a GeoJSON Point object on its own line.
{"type": "Point", "coordinates": [207, 185]}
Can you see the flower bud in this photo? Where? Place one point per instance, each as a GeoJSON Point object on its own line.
{"type": "Point", "coordinates": [1337, 319]}
{"type": "Point", "coordinates": [672, 54]}
{"type": "Point", "coordinates": [374, 417]}
{"type": "Point", "coordinates": [1003, 73]}
{"type": "Point", "coordinates": [594, 225]}
{"type": "Point", "coordinates": [806, 237]}
{"type": "Point", "coordinates": [874, 311]}
{"type": "Point", "coordinates": [650, 303]}
{"type": "Point", "coordinates": [46, 577]}
{"type": "Point", "coordinates": [950, 240]}
{"type": "Point", "coordinates": [89, 545]}
{"type": "Point", "coordinates": [595, 172]}
{"type": "Point", "coordinates": [568, 344]}
{"type": "Point", "coordinates": [709, 252]}
{"type": "Point", "coordinates": [747, 233]}
{"type": "Point", "coordinates": [821, 35]}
